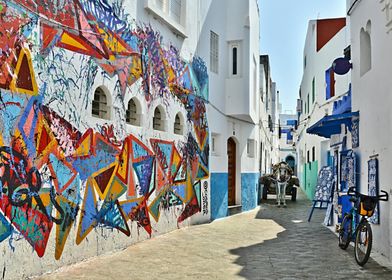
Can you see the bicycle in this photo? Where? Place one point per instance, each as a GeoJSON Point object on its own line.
{"type": "Point", "coordinates": [360, 233]}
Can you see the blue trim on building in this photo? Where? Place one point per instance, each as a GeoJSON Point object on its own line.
{"type": "Point", "coordinates": [219, 195]}
{"type": "Point", "coordinates": [249, 190]}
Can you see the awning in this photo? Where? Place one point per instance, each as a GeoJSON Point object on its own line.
{"type": "Point", "coordinates": [330, 125]}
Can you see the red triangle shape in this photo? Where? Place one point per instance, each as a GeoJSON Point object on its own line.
{"type": "Point", "coordinates": [103, 178]}
{"type": "Point", "coordinates": [327, 29]}
{"type": "Point", "coordinates": [48, 35]}
{"type": "Point", "coordinates": [44, 140]}
{"type": "Point", "coordinates": [24, 80]}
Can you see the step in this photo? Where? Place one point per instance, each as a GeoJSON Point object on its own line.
{"type": "Point", "coordinates": [234, 209]}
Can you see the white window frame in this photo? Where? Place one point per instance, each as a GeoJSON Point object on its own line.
{"type": "Point", "coordinates": [178, 128]}
{"type": "Point", "coordinates": [161, 11]}
{"type": "Point", "coordinates": [100, 108]}
{"type": "Point", "coordinates": [133, 119]}
{"type": "Point", "coordinates": [232, 45]}
{"type": "Point", "coordinates": [250, 148]}
{"type": "Point", "coordinates": [159, 124]}
{"type": "Point", "coordinates": [215, 151]}
{"type": "Point", "coordinates": [214, 52]}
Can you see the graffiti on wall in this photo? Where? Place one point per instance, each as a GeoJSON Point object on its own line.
{"type": "Point", "coordinates": [55, 175]}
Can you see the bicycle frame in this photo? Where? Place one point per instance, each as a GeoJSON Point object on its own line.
{"type": "Point", "coordinates": [359, 231]}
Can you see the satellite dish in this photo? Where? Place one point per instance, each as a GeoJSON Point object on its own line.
{"type": "Point", "coordinates": [341, 65]}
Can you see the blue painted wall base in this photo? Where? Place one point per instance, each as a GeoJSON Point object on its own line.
{"type": "Point", "coordinates": [249, 192]}
{"type": "Point", "coordinates": [219, 195]}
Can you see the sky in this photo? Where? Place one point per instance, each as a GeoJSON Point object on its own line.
{"type": "Point", "coordinates": [283, 27]}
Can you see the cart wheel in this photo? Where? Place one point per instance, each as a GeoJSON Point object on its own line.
{"type": "Point", "coordinates": [294, 194]}
{"type": "Point", "coordinates": [265, 192]}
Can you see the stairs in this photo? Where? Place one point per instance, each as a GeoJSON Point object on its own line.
{"type": "Point", "coordinates": [234, 209]}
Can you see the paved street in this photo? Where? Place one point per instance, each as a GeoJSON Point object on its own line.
{"type": "Point", "coordinates": [267, 243]}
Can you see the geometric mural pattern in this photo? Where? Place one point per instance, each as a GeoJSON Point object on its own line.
{"type": "Point", "coordinates": [54, 175]}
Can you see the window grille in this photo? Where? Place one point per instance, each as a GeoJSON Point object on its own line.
{"type": "Point", "coordinates": [99, 105]}
{"type": "Point", "coordinates": [214, 52]}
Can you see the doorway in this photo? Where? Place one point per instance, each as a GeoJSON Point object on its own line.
{"type": "Point", "coordinates": [231, 155]}
{"type": "Point", "coordinates": [290, 160]}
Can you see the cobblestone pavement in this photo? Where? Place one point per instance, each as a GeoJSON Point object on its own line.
{"type": "Point", "coordinates": [266, 243]}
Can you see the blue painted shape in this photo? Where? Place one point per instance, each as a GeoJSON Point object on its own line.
{"type": "Point", "coordinates": [143, 172]}
{"type": "Point", "coordinates": [166, 150]}
{"type": "Point", "coordinates": [89, 165]}
{"type": "Point", "coordinates": [138, 150]}
{"type": "Point", "coordinates": [113, 217]}
{"type": "Point", "coordinates": [90, 211]}
{"type": "Point", "coordinates": [62, 172]}
{"type": "Point", "coordinates": [328, 84]}
{"type": "Point", "coordinates": [179, 190]}
{"type": "Point", "coordinates": [219, 195]}
{"type": "Point", "coordinates": [197, 189]}
{"type": "Point", "coordinates": [72, 192]}
{"type": "Point", "coordinates": [128, 206]}
{"type": "Point", "coordinates": [10, 114]}
{"type": "Point", "coordinates": [101, 145]}
{"type": "Point", "coordinates": [249, 185]}
{"type": "Point", "coordinates": [5, 228]}
{"type": "Point", "coordinates": [32, 107]}
{"type": "Point", "coordinates": [346, 205]}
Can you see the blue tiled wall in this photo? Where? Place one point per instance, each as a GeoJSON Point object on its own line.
{"type": "Point", "coordinates": [249, 192]}
{"type": "Point", "coordinates": [219, 196]}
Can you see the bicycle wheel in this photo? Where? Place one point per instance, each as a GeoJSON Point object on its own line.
{"type": "Point", "coordinates": [363, 243]}
{"type": "Point", "coordinates": [345, 231]}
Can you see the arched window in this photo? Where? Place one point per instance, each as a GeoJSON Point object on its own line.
{"type": "Point", "coordinates": [365, 49]}
{"type": "Point", "coordinates": [100, 108]}
{"type": "Point", "coordinates": [132, 113]}
{"type": "Point", "coordinates": [157, 122]}
{"type": "Point", "coordinates": [178, 127]}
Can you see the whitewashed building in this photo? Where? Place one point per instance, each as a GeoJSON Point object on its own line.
{"type": "Point", "coordinates": [269, 123]}
{"type": "Point", "coordinates": [131, 119]}
{"type": "Point", "coordinates": [320, 87]}
{"type": "Point", "coordinates": [230, 38]}
{"type": "Point", "coordinates": [287, 151]}
{"type": "Point", "coordinates": [371, 43]}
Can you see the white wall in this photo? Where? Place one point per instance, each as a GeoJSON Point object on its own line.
{"type": "Point", "coordinates": [316, 65]}
{"type": "Point", "coordinates": [372, 97]}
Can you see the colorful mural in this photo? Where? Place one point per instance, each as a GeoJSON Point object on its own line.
{"type": "Point", "coordinates": [56, 172]}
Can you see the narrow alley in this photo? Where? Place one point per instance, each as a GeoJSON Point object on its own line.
{"type": "Point", "coordinates": [265, 243]}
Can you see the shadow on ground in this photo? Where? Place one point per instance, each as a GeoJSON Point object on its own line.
{"type": "Point", "coordinates": [304, 250]}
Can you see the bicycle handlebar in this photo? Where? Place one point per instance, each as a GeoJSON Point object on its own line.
{"type": "Point", "coordinates": [384, 197]}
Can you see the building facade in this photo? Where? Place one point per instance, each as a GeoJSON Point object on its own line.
{"type": "Point", "coordinates": [109, 128]}
{"type": "Point", "coordinates": [371, 41]}
{"type": "Point", "coordinates": [269, 123]}
{"type": "Point", "coordinates": [234, 110]}
{"type": "Point", "coordinates": [325, 40]}
{"type": "Point", "coordinates": [287, 151]}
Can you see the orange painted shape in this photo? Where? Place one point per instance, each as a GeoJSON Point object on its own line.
{"type": "Point", "coordinates": [84, 147]}
{"type": "Point", "coordinates": [48, 35]}
{"type": "Point", "coordinates": [123, 165]}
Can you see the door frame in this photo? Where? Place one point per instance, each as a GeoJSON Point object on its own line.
{"type": "Point", "coordinates": [236, 174]}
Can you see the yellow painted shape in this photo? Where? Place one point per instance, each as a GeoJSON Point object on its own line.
{"type": "Point", "coordinates": [24, 52]}
{"type": "Point", "coordinates": [189, 188]}
{"type": "Point", "coordinates": [136, 69]}
{"type": "Point", "coordinates": [104, 194]}
{"type": "Point", "coordinates": [116, 190]}
{"type": "Point", "coordinates": [84, 147]}
{"type": "Point", "coordinates": [122, 168]}
{"type": "Point", "coordinates": [68, 40]}
{"type": "Point", "coordinates": [112, 43]}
